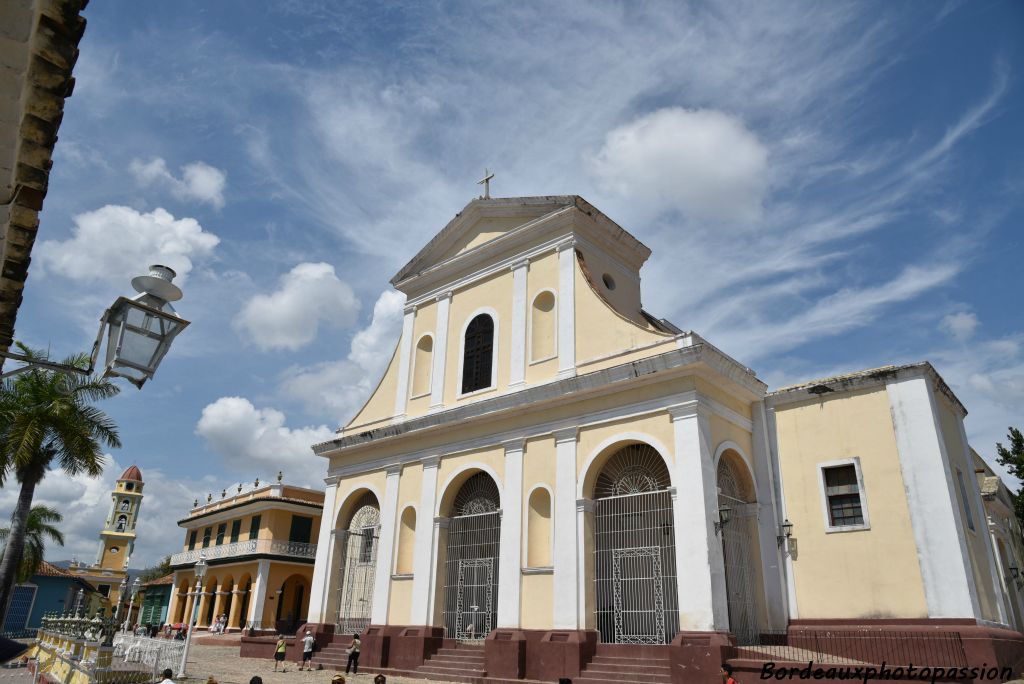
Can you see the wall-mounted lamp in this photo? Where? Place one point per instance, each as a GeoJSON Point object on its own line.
{"type": "Point", "coordinates": [785, 532]}
{"type": "Point", "coordinates": [723, 518]}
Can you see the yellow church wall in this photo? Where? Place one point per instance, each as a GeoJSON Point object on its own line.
{"type": "Point", "coordinates": [542, 275]}
{"type": "Point", "coordinates": [538, 593]}
{"type": "Point", "coordinates": [723, 430]}
{"type": "Point", "coordinates": [625, 297]}
{"type": "Point", "coordinates": [713, 391]}
{"type": "Point", "coordinates": [380, 405]}
{"type": "Point", "coordinates": [400, 606]}
{"type": "Point", "coordinates": [484, 231]}
{"type": "Point", "coordinates": [977, 550]}
{"type": "Point", "coordinates": [424, 323]}
{"type": "Point", "coordinates": [494, 292]}
{"type": "Point", "coordinates": [602, 332]}
{"type": "Point", "coordinates": [852, 425]}
{"type": "Point", "coordinates": [656, 428]}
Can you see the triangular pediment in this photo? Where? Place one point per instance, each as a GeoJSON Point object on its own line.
{"type": "Point", "coordinates": [480, 222]}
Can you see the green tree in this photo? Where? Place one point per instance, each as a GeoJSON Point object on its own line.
{"type": "Point", "coordinates": [40, 527]}
{"type": "Point", "coordinates": [1012, 459]}
{"type": "Point", "coordinates": [157, 571]}
{"type": "Point", "coordinates": [47, 420]}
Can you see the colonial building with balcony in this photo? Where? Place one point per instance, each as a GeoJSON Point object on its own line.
{"type": "Point", "coordinates": [258, 547]}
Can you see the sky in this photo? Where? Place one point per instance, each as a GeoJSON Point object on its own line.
{"type": "Point", "coordinates": [826, 187]}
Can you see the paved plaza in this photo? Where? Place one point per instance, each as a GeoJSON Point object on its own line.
{"type": "Point", "coordinates": [225, 665]}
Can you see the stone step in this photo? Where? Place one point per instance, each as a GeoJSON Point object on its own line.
{"type": "Point", "coordinates": [590, 674]}
{"type": "Point", "coordinates": [462, 650]}
{"type": "Point", "coordinates": [461, 671]}
{"type": "Point", "coordinates": [624, 660]}
{"type": "Point", "coordinates": [458, 657]}
{"type": "Point", "coordinates": [640, 667]}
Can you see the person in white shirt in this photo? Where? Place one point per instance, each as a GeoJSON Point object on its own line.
{"type": "Point", "coordinates": [307, 650]}
{"type": "Point", "coordinates": [167, 677]}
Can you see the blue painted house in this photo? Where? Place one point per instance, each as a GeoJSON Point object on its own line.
{"type": "Point", "coordinates": [52, 589]}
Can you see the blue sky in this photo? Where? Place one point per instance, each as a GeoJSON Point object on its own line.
{"type": "Point", "coordinates": [825, 187]}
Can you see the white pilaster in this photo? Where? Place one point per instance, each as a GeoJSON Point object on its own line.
{"type": "Point", "coordinates": [324, 557]}
{"type": "Point", "coordinates": [768, 520]}
{"type": "Point", "coordinates": [584, 507]}
{"type": "Point", "coordinates": [386, 549]}
{"type": "Point", "coordinates": [567, 309]}
{"type": "Point", "coordinates": [404, 360]}
{"type": "Point", "coordinates": [425, 550]}
{"type": "Point", "coordinates": [941, 547]}
{"type": "Point", "coordinates": [444, 303]}
{"type": "Point", "coordinates": [259, 592]}
{"type": "Point", "coordinates": [510, 561]}
{"type": "Point", "coordinates": [565, 609]}
{"type": "Point", "coordinates": [517, 370]}
{"type": "Point", "coordinates": [699, 561]}
{"type": "Point", "coordinates": [792, 608]}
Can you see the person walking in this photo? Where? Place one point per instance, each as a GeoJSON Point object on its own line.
{"type": "Point", "coordinates": [279, 650]}
{"type": "Point", "coordinates": [307, 651]}
{"type": "Point", "coordinates": [353, 655]}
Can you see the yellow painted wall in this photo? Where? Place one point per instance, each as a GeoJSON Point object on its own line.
{"type": "Point", "coordinates": [538, 593]}
{"type": "Point", "coordinates": [424, 322]}
{"type": "Point", "coordinates": [494, 292]}
{"type": "Point", "coordinates": [484, 231]}
{"type": "Point", "coordinates": [400, 607]}
{"type": "Point", "coordinates": [350, 490]}
{"type": "Point", "coordinates": [625, 297]}
{"type": "Point", "coordinates": [493, 457]}
{"type": "Point", "coordinates": [657, 426]}
{"type": "Point", "coordinates": [854, 424]}
{"type": "Point", "coordinates": [956, 451]}
{"type": "Point", "coordinates": [380, 405]}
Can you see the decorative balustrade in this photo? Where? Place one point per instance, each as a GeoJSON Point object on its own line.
{"type": "Point", "coordinates": [250, 547]}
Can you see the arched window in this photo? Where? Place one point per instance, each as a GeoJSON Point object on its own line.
{"type": "Point", "coordinates": [122, 522]}
{"type": "Point", "coordinates": [421, 366]}
{"type": "Point", "coordinates": [125, 505]}
{"type": "Point", "coordinates": [478, 354]}
{"type": "Point", "coordinates": [406, 541]}
{"type": "Point", "coordinates": [542, 326]}
{"type": "Point", "coordinates": [538, 529]}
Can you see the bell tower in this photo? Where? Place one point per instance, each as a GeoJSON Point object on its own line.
{"type": "Point", "coordinates": [117, 539]}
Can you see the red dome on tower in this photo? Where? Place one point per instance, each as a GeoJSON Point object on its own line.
{"type": "Point", "coordinates": [133, 473]}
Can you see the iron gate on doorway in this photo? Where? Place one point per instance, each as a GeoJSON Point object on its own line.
{"type": "Point", "coordinates": [358, 563]}
{"type": "Point", "coordinates": [635, 569]}
{"type": "Point", "coordinates": [471, 564]}
{"type": "Point", "coordinates": [739, 544]}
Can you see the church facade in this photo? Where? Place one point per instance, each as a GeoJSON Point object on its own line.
{"type": "Point", "coordinates": [547, 469]}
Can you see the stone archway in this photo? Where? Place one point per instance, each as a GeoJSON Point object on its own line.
{"type": "Point", "coordinates": [357, 541]}
{"type": "Point", "coordinates": [737, 503]}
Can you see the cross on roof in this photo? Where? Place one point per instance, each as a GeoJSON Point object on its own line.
{"type": "Point", "coordinates": [486, 182]}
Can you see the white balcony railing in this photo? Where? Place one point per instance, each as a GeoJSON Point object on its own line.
{"type": "Point", "coordinates": [273, 547]}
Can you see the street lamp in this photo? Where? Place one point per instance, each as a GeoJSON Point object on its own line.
{"type": "Point", "coordinates": [785, 532]}
{"type": "Point", "coordinates": [723, 518]}
{"type": "Point", "coordinates": [121, 591]}
{"type": "Point", "coordinates": [200, 570]}
{"type": "Point", "coordinates": [139, 332]}
{"type": "Point", "coordinates": [131, 604]}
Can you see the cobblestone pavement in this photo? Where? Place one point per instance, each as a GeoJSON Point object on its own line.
{"type": "Point", "coordinates": [225, 665]}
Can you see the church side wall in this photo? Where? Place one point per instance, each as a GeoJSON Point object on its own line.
{"type": "Point", "coordinates": [424, 323]}
{"type": "Point", "coordinates": [977, 549]}
{"type": "Point", "coordinates": [542, 275]}
{"type": "Point", "coordinates": [380, 405]}
{"type": "Point", "coordinates": [836, 574]}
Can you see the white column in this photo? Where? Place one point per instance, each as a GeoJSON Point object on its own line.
{"type": "Point", "coordinates": [425, 551]}
{"type": "Point", "coordinates": [565, 608]}
{"type": "Point", "coordinates": [444, 303]}
{"type": "Point", "coordinates": [941, 548]}
{"type": "Point", "coordinates": [567, 309]}
{"type": "Point", "coordinates": [324, 557]}
{"type": "Point", "coordinates": [259, 593]}
{"type": "Point", "coordinates": [517, 370]}
{"type": "Point", "coordinates": [583, 508]}
{"type": "Point", "coordinates": [510, 563]}
{"type": "Point", "coordinates": [404, 359]}
{"type": "Point", "coordinates": [700, 565]}
{"type": "Point", "coordinates": [973, 495]}
{"type": "Point", "coordinates": [385, 549]}
{"type": "Point", "coordinates": [768, 520]}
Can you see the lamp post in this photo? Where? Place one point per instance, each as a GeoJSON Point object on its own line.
{"type": "Point", "coordinates": [131, 605]}
{"type": "Point", "coordinates": [121, 591]}
{"type": "Point", "coordinates": [200, 570]}
{"type": "Point", "coordinates": [139, 332]}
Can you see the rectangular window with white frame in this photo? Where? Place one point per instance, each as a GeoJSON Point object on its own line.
{"type": "Point", "coordinates": [843, 496]}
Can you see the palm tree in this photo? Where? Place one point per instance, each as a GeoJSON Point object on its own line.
{"type": "Point", "coordinates": [38, 529]}
{"type": "Point", "coordinates": [47, 419]}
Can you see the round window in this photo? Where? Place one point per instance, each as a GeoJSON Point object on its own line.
{"type": "Point", "coordinates": [609, 282]}
{"type": "Point", "coordinates": [114, 549]}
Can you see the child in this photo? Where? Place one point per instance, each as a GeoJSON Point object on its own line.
{"type": "Point", "coordinates": [727, 674]}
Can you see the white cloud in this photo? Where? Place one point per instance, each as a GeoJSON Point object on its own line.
{"type": "Point", "coordinates": [199, 181]}
{"type": "Point", "coordinates": [960, 325]}
{"type": "Point", "coordinates": [703, 163]}
{"type": "Point", "coordinates": [289, 317]}
{"type": "Point", "coordinates": [257, 440]}
{"type": "Point", "coordinates": [338, 388]}
{"type": "Point", "coordinates": [115, 243]}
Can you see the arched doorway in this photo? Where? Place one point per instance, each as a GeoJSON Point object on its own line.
{"type": "Point", "coordinates": [737, 504]}
{"type": "Point", "coordinates": [634, 549]}
{"type": "Point", "coordinates": [358, 544]}
{"type": "Point", "coordinates": [292, 600]}
{"type": "Point", "coordinates": [471, 560]}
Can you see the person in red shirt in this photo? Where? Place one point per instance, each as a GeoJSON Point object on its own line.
{"type": "Point", "coordinates": [727, 674]}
